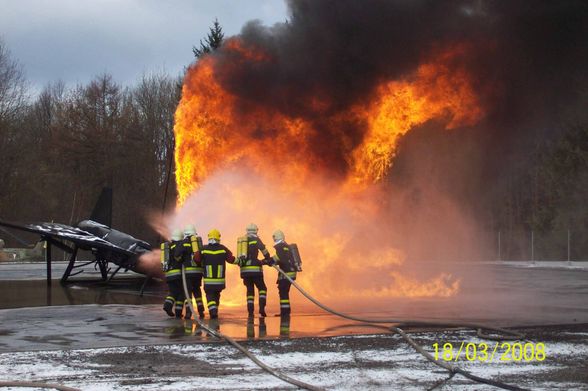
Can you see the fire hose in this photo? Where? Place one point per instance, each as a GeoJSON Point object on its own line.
{"type": "Point", "coordinates": [35, 384]}
{"type": "Point", "coordinates": [242, 349]}
{"type": "Point", "coordinates": [451, 368]}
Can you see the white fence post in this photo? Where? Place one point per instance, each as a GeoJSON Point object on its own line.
{"type": "Point", "coordinates": [499, 247]}
{"type": "Point", "coordinates": [569, 237]}
{"type": "Point", "coordinates": [532, 247]}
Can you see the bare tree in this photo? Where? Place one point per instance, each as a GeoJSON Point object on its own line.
{"type": "Point", "coordinates": [157, 97]}
{"type": "Point", "coordinates": [13, 101]}
{"type": "Point", "coordinates": [13, 89]}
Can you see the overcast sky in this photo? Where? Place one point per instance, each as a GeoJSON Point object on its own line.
{"type": "Point", "coordinates": [75, 40]}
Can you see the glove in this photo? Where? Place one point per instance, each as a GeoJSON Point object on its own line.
{"type": "Point", "coordinates": [270, 261]}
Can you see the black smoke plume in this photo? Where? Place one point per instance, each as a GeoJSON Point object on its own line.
{"type": "Point", "coordinates": [528, 61]}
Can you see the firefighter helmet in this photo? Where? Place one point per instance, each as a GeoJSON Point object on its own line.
{"type": "Point", "coordinates": [190, 230]}
{"type": "Point", "coordinates": [278, 235]}
{"type": "Point", "coordinates": [214, 234]}
{"type": "Point", "coordinates": [176, 234]}
{"type": "Point", "coordinates": [251, 228]}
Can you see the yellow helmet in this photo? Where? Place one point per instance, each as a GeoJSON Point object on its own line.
{"type": "Point", "coordinates": [214, 234]}
{"type": "Point", "coordinates": [251, 229]}
{"type": "Point", "coordinates": [278, 235]}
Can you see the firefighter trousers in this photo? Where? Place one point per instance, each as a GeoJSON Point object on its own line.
{"type": "Point", "coordinates": [250, 283]}
{"type": "Point", "coordinates": [175, 299]}
{"type": "Point", "coordinates": [284, 290]}
{"type": "Point", "coordinates": [213, 301]}
{"type": "Point", "coordinates": [195, 282]}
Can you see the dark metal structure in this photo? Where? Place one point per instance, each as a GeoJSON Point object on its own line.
{"type": "Point", "coordinates": [95, 235]}
{"type": "Point", "coordinates": [105, 243]}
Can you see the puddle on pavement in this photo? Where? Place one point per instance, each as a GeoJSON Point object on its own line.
{"type": "Point", "coordinates": [36, 293]}
{"type": "Point", "coordinates": [96, 314]}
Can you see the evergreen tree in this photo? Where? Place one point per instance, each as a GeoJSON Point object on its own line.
{"type": "Point", "coordinates": [213, 40]}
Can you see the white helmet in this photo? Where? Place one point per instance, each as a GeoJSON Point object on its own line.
{"type": "Point", "coordinates": [251, 228]}
{"type": "Point", "coordinates": [190, 230]}
{"type": "Point", "coordinates": [278, 235]}
{"type": "Point", "coordinates": [176, 235]}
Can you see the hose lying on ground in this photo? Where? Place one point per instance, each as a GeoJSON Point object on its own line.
{"type": "Point", "coordinates": [451, 368]}
{"type": "Point", "coordinates": [241, 348]}
{"type": "Point", "coordinates": [34, 384]}
{"type": "Point", "coordinates": [404, 322]}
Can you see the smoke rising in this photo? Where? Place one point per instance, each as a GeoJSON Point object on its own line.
{"type": "Point", "coordinates": [527, 61]}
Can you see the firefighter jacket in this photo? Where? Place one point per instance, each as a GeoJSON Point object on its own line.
{"type": "Point", "coordinates": [180, 253]}
{"type": "Point", "coordinates": [252, 266]}
{"type": "Point", "coordinates": [284, 260]}
{"type": "Point", "coordinates": [213, 258]}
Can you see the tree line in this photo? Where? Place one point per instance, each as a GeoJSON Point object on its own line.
{"type": "Point", "coordinates": [60, 148]}
{"type": "Point", "coordinates": [546, 194]}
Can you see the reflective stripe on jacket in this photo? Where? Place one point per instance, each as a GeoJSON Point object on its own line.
{"type": "Point", "coordinates": [252, 267]}
{"type": "Point", "coordinates": [180, 253]}
{"type": "Point", "coordinates": [213, 258]}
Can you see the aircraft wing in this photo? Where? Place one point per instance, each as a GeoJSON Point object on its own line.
{"type": "Point", "coordinates": [107, 244]}
{"type": "Point", "coordinates": [83, 239]}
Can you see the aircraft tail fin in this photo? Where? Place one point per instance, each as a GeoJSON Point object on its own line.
{"type": "Point", "coordinates": [102, 212]}
{"type": "Point", "coordinates": [39, 248]}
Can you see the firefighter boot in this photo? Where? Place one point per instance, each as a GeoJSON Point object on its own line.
{"type": "Point", "coordinates": [179, 308]}
{"type": "Point", "coordinates": [188, 313]}
{"type": "Point", "coordinates": [285, 310]}
{"type": "Point", "coordinates": [213, 313]}
{"type": "Point", "coordinates": [250, 305]}
{"type": "Point", "coordinates": [168, 306]}
{"type": "Point", "coordinates": [262, 302]}
{"type": "Point", "coordinates": [200, 307]}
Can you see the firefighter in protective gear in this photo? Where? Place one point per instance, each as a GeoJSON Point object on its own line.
{"type": "Point", "coordinates": [284, 260]}
{"type": "Point", "coordinates": [176, 253]}
{"type": "Point", "coordinates": [213, 258]}
{"type": "Point", "coordinates": [252, 272]}
{"type": "Point", "coordinates": [195, 271]}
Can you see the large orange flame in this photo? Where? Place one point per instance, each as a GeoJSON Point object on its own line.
{"type": "Point", "coordinates": [239, 161]}
{"type": "Point", "coordinates": [434, 91]}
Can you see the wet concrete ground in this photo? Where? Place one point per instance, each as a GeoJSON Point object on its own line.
{"type": "Point", "coordinates": [97, 337]}
{"type": "Point", "coordinates": [97, 326]}
{"type": "Point", "coordinates": [367, 362]}
{"type": "Point", "coordinates": [91, 314]}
